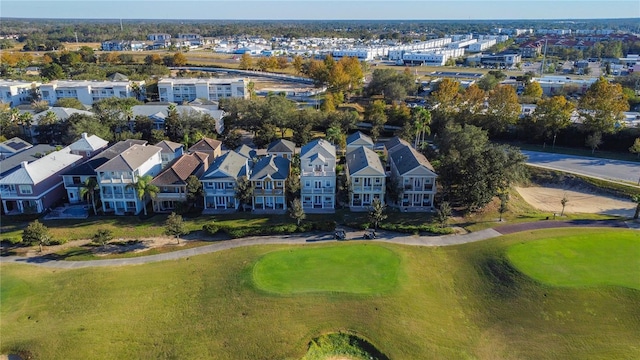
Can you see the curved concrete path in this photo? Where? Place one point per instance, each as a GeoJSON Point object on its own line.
{"type": "Point", "coordinates": [311, 238]}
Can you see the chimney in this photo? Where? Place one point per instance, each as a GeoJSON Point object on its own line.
{"type": "Point", "coordinates": [84, 135]}
{"type": "Point", "coordinates": [24, 164]}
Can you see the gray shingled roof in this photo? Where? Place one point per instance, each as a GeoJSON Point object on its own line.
{"type": "Point", "coordinates": [246, 151]}
{"type": "Point", "coordinates": [130, 159]}
{"type": "Point", "coordinates": [362, 158]}
{"type": "Point", "coordinates": [168, 146]}
{"type": "Point", "coordinates": [275, 166]}
{"type": "Point", "coordinates": [89, 167]}
{"type": "Point", "coordinates": [281, 146]}
{"type": "Point", "coordinates": [407, 158]}
{"type": "Point", "coordinates": [230, 164]}
{"type": "Point", "coordinates": [357, 136]}
{"type": "Point", "coordinates": [315, 146]}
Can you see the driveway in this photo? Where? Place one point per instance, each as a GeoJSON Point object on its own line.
{"type": "Point", "coordinates": [615, 170]}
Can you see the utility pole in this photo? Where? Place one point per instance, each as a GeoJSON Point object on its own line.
{"type": "Point", "coordinates": [544, 57]}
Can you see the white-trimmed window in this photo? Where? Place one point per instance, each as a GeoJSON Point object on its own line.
{"type": "Point", "coordinates": [25, 189]}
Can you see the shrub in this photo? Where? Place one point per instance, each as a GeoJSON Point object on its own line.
{"type": "Point", "coordinates": [57, 241]}
{"type": "Point", "coordinates": [211, 228]}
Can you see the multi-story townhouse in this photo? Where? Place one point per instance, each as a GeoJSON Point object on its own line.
{"type": "Point", "coordinates": [366, 177]}
{"type": "Point", "coordinates": [158, 37]}
{"type": "Point", "coordinates": [170, 150]}
{"type": "Point", "coordinates": [318, 176]}
{"type": "Point", "coordinates": [74, 179]}
{"type": "Point", "coordinates": [172, 181]}
{"type": "Point", "coordinates": [34, 187]}
{"type": "Point", "coordinates": [412, 174]}
{"type": "Point", "coordinates": [117, 176]}
{"type": "Point", "coordinates": [211, 147]}
{"type": "Point", "coordinates": [268, 178]}
{"type": "Point", "coordinates": [88, 92]}
{"type": "Point", "coordinates": [181, 90]}
{"type": "Point", "coordinates": [219, 182]}
{"type": "Point", "coordinates": [282, 148]}
{"type": "Point", "coordinates": [122, 45]}
{"type": "Point", "coordinates": [357, 140]}
{"type": "Point", "coordinates": [15, 93]}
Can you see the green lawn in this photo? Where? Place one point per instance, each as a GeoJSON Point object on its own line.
{"type": "Point", "coordinates": [459, 302]}
{"type": "Point", "coordinates": [359, 269]}
{"type": "Point", "coordinates": [581, 260]}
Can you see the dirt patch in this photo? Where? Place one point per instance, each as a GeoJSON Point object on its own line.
{"type": "Point", "coordinates": [580, 200]}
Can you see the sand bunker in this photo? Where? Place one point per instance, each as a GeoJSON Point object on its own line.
{"type": "Point", "coordinates": [548, 199]}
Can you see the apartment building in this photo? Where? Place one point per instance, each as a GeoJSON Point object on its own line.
{"type": "Point", "coordinates": [88, 92]}
{"type": "Point", "coordinates": [186, 90]}
{"type": "Point", "coordinates": [15, 92]}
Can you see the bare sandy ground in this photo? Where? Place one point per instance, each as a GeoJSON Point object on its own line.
{"type": "Point", "coordinates": [548, 199]}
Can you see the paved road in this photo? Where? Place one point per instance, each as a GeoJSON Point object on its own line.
{"type": "Point", "coordinates": [311, 238]}
{"type": "Point", "coordinates": [615, 170]}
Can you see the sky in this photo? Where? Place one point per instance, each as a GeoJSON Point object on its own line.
{"type": "Point", "coordinates": [322, 9]}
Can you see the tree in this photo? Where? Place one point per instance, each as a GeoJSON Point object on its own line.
{"type": "Point", "coordinates": [88, 190]}
{"type": "Point", "coordinates": [636, 199]}
{"type": "Point", "coordinates": [376, 115]}
{"type": "Point", "coordinates": [593, 141]}
{"type": "Point", "coordinates": [296, 211]}
{"type": "Point", "coordinates": [553, 114]}
{"type": "Point", "coordinates": [635, 148]}
{"type": "Point", "coordinates": [245, 61]}
{"type": "Point", "coordinates": [504, 202]}
{"type": "Point", "coordinates": [297, 63]}
{"type": "Point", "coordinates": [421, 118]}
{"type": "Point", "coordinates": [443, 213]}
{"type": "Point", "coordinates": [174, 226]}
{"type": "Point", "coordinates": [488, 82]}
{"type": "Point", "coordinates": [377, 213]}
{"type": "Point", "coordinates": [102, 236]}
{"type": "Point", "coordinates": [144, 188]}
{"type": "Point", "coordinates": [36, 233]}
{"type": "Point", "coordinates": [52, 71]}
{"type": "Point", "coordinates": [564, 201]}
{"type": "Point", "coordinates": [244, 191]}
{"type": "Point", "coordinates": [179, 59]}
{"type": "Point", "coordinates": [533, 89]}
{"type": "Point", "coordinates": [153, 59]}
{"type": "Point", "coordinates": [472, 170]}
{"type": "Point", "coordinates": [602, 107]}
{"type": "Point", "coordinates": [195, 192]}
{"type": "Point", "coordinates": [70, 103]}
{"type": "Point", "coordinates": [503, 109]}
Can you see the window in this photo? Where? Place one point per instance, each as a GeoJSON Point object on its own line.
{"type": "Point", "coordinates": [318, 168]}
{"type": "Point", "coordinates": [307, 183]}
{"type": "Point", "coordinates": [378, 180]}
{"type": "Point", "coordinates": [356, 180]}
{"type": "Point", "coordinates": [76, 180]}
{"type": "Point", "coordinates": [327, 183]}
{"type": "Point", "coordinates": [71, 196]}
{"type": "Point", "coordinates": [25, 189]}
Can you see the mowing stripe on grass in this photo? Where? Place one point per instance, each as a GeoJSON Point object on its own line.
{"type": "Point", "coordinates": [358, 269]}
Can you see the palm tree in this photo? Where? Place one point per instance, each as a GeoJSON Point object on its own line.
{"type": "Point", "coordinates": [144, 187]}
{"type": "Point", "coordinates": [89, 189]}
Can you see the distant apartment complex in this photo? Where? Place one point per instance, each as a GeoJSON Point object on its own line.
{"type": "Point", "coordinates": [185, 90]}
{"type": "Point", "coordinates": [88, 92]}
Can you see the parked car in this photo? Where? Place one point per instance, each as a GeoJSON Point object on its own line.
{"type": "Point", "coordinates": [340, 234]}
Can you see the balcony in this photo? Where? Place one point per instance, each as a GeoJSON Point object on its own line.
{"type": "Point", "coordinates": [268, 191]}
{"type": "Point", "coordinates": [325, 190]}
{"type": "Point", "coordinates": [171, 196]}
{"type": "Point", "coordinates": [226, 191]}
{"type": "Point", "coordinates": [374, 188]}
{"type": "Point", "coordinates": [4, 193]}
{"type": "Point", "coordinates": [116, 180]}
{"type": "Point", "coordinates": [318, 173]}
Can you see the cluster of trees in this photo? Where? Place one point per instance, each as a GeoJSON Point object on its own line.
{"type": "Point", "coordinates": [498, 110]}
{"type": "Point", "coordinates": [112, 120]}
{"type": "Point", "coordinates": [391, 84]}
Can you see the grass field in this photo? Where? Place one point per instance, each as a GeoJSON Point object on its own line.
{"type": "Point", "coordinates": [582, 260]}
{"type": "Point", "coordinates": [461, 302]}
{"type": "Point", "coordinates": [358, 269]}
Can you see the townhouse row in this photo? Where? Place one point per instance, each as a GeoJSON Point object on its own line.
{"type": "Point", "coordinates": [35, 186]}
